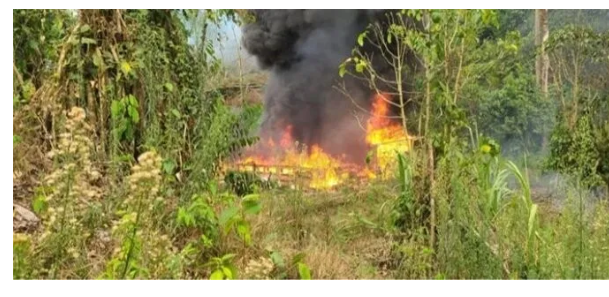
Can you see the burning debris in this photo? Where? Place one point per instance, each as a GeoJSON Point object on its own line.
{"type": "Point", "coordinates": [285, 161]}
{"type": "Point", "coordinates": [309, 126]}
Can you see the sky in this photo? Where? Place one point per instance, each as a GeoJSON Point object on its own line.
{"type": "Point", "coordinates": [226, 42]}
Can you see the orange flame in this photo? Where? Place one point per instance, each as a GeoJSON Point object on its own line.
{"type": "Point", "coordinates": [286, 138]}
{"type": "Point", "coordinates": [382, 134]}
{"type": "Point", "coordinates": [386, 136]}
{"type": "Point", "coordinates": [380, 129]}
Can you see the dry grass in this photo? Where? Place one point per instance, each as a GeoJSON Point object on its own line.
{"type": "Point", "coordinates": [325, 227]}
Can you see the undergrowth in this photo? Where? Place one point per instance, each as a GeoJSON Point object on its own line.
{"type": "Point", "coordinates": [121, 126]}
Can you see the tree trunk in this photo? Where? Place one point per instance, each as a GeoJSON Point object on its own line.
{"type": "Point", "coordinates": [542, 63]}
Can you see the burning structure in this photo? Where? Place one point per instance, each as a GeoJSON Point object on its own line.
{"type": "Point", "coordinates": [308, 123]}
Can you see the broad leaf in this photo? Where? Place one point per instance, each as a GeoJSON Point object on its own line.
{"type": "Point", "coordinates": [277, 259]}
{"type": "Point", "coordinates": [227, 215]}
{"type": "Point", "coordinates": [116, 108]}
{"type": "Point", "coordinates": [227, 257]}
{"type": "Point", "coordinates": [303, 271]}
{"type": "Point", "coordinates": [251, 204]}
{"type": "Point", "coordinates": [243, 229]}
{"type": "Point", "coordinates": [125, 67]}
{"type": "Point", "coordinates": [217, 275]}
{"type": "Point", "coordinates": [227, 272]}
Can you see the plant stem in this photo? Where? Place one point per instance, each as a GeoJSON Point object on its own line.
{"type": "Point", "coordinates": [133, 234]}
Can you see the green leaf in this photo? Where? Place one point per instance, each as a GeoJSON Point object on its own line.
{"type": "Point", "coordinates": [227, 215]}
{"type": "Point", "coordinates": [133, 114]}
{"type": "Point", "coordinates": [213, 188]}
{"type": "Point", "coordinates": [28, 89]}
{"type": "Point", "coordinates": [532, 214]}
{"type": "Point", "coordinates": [233, 270]}
{"type": "Point", "coordinates": [169, 87]}
{"type": "Point", "coordinates": [184, 218]}
{"type": "Point", "coordinates": [227, 272]}
{"type": "Point", "coordinates": [207, 242]}
{"type": "Point", "coordinates": [303, 271]}
{"type": "Point", "coordinates": [39, 204]}
{"type": "Point", "coordinates": [86, 40]}
{"type": "Point", "coordinates": [132, 101]}
{"type": "Point", "coordinates": [227, 257]}
{"type": "Point", "coordinates": [217, 275]}
{"type": "Point", "coordinates": [277, 259]}
{"type": "Point", "coordinates": [85, 28]}
{"type": "Point", "coordinates": [360, 66]}
{"type": "Point", "coordinates": [116, 108]}
{"type": "Point", "coordinates": [251, 204]}
{"type": "Point", "coordinates": [243, 229]}
{"type": "Point", "coordinates": [168, 166]}
{"type": "Point", "coordinates": [125, 67]}
{"type": "Point", "coordinates": [360, 39]}
{"type": "Point", "coordinates": [176, 113]}
{"type": "Point", "coordinates": [98, 60]}
{"type": "Point", "coordinates": [342, 70]}
{"type": "Point", "coordinates": [33, 44]}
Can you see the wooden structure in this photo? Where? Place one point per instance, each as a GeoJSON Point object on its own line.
{"type": "Point", "coordinates": [301, 177]}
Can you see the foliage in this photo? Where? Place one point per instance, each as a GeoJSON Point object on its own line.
{"type": "Point", "coordinates": [234, 217]}
{"type": "Point", "coordinates": [455, 198]}
{"type": "Point", "coordinates": [121, 127]}
{"type": "Point", "coordinates": [36, 37]}
{"type": "Point", "coordinates": [223, 268]}
{"type": "Point", "coordinates": [578, 143]}
{"type": "Point", "coordinates": [143, 87]}
{"type": "Point", "coordinates": [199, 215]}
{"type": "Point", "coordinates": [143, 247]}
{"type": "Point", "coordinates": [514, 114]}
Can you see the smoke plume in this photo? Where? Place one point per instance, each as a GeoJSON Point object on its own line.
{"type": "Point", "coordinates": [302, 50]}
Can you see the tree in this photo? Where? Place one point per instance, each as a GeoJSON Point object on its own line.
{"type": "Point", "coordinates": [542, 63]}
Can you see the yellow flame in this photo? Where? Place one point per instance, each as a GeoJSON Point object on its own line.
{"type": "Point", "coordinates": [383, 135]}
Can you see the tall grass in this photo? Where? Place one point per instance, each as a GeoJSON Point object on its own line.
{"type": "Point", "coordinates": [487, 229]}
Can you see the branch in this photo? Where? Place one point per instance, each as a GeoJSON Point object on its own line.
{"type": "Point", "coordinates": [64, 49]}
{"type": "Point", "coordinates": [343, 90]}
{"type": "Point", "coordinates": [459, 72]}
{"type": "Point", "coordinates": [16, 72]}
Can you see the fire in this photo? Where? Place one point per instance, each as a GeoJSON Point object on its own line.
{"type": "Point", "coordinates": [286, 139]}
{"type": "Point", "coordinates": [326, 171]}
{"type": "Point", "coordinates": [387, 136]}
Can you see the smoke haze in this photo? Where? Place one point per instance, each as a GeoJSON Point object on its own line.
{"type": "Point", "coordinates": [302, 50]}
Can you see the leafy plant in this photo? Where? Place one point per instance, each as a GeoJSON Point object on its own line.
{"type": "Point", "coordinates": [223, 269]}
{"type": "Point", "coordinates": [126, 116]}
{"type": "Point", "coordinates": [296, 266]}
{"type": "Point", "coordinates": [234, 217]}
{"type": "Point", "coordinates": [199, 215]}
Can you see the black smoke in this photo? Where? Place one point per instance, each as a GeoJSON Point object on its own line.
{"type": "Point", "coordinates": [302, 50]}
